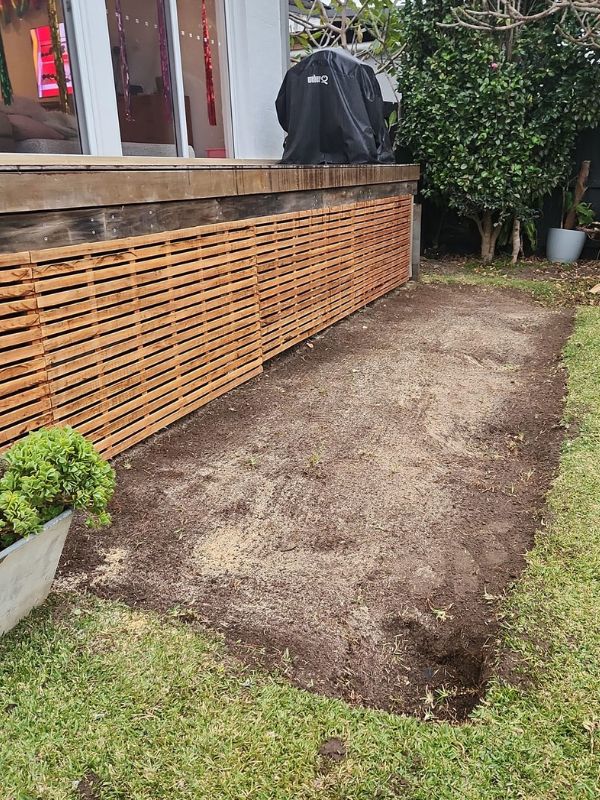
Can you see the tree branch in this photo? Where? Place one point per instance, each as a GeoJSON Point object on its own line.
{"type": "Point", "coordinates": [503, 16]}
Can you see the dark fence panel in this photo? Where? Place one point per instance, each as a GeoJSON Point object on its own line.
{"type": "Point", "coordinates": [588, 148]}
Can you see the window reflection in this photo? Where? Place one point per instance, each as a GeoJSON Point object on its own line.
{"type": "Point", "coordinates": [200, 56]}
{"type": "Point", "coordinates": [37, 108]}
{"type": "Point", "coordinates": [138, 40]}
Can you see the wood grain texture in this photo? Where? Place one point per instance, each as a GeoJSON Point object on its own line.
{"type": "Point", "coordinates": [121, 338]}
{"type": "Point", "coordinates": [36, 230]}
{"type": "Point", "coordinates": [25, 402]}
{"type": "Point", "coordinates": [316, 268]}
{"type": "Point", "coordinates": [92, 183]}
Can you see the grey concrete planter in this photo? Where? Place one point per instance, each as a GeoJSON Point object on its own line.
{"type": "Point", "coordinates": [564, 246]}
{"type": "Point", "coordinates": [27, 569]}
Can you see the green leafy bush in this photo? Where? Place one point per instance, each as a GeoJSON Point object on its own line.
{"type": "Point", "coordinates": [47, 472]}
{"type": "Point", "coordinates": [493, 116]}
{"type": "Point", "coordinates": [584, 214]}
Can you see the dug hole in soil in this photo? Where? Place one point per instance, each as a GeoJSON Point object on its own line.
{"type": "Point", "coordinates": [349, 516]}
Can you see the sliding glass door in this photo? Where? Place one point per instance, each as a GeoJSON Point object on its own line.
{"type": "Point", "coordinates": [166, 70]}
{"type": "Point", "coordinates": [142, 76]}
{"type": "Point", "coordinates": [201, 65]}
{"type": "Point", "coordinates": [146, 77]}
{"type": "Point", "coordinates": [37, 95]}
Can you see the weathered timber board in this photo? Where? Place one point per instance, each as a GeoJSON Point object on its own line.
{"type": "Point", "coordinates": [35, 230]}
{"type": "Point", "coordinates": [87, 185]}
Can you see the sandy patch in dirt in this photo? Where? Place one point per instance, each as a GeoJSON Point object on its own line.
{"type": "Point", "coordinates": [344, 516]}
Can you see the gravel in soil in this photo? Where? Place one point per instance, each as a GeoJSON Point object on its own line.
{"type": "Point", "coordinates": [352, 516]}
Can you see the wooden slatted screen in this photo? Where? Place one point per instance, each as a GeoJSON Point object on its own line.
{"type": "Point", "coordinates": [317, 267]}
{"type": "Point", "coordinates": [119, 339]}
{"type": "Point", "coordinates": [139, 337]}
{"type": "Point", "coordinates": [24, 394]}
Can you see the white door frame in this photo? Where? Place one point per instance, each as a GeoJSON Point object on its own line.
{"type": "Point", "coordinates": [90, 58]}
{"type": "Point", "coordinates": [234, 17]}
{"type": "Point", "coordinates": [95, 95]}
{"type": "Point", "coordinates": [225, 77]}
{"type": "Point", "coordinates": [176, 72]}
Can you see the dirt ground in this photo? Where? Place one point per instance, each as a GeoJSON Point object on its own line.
{"type": "Point", "coordinates": [533, 268]}
{"type": "Point", "coordinates": [351, 516]}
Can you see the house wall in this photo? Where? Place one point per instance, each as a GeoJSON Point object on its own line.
{"type": "Point", "coordinates": [257, 47]}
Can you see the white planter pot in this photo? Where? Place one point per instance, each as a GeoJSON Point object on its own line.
{"type": "Point", "coordinates": [27, 569]}
{"type": "Point", "coordinates": [564, 246]}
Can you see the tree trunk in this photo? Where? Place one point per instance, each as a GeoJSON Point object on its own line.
{"type": "Point", "coordinates": [516, 240]}
{"type": "Point", "coordinates": [488, 237]}
{"type": "Point", "coordinates": [344, 26]}
{"type": "Point", "coordinates": [578, 194]}
{"type": "Point", "coordinates": [489, 232]}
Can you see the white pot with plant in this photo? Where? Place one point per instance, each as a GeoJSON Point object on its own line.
{"type": "Point", "coordinates": [43, 479]}
{"type": "Point", "coordinates": [566, 243]}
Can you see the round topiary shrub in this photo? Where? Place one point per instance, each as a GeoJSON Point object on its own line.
{"type": "Point", "coordinates": [47, 472]}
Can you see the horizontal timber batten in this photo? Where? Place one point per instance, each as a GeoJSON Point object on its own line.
{"type": "Point", "coordinates": [85, 182]}
{"type": "Point", "coordinates": [54, 201]}
{"type": "Point", "coordinates": [120, 338]}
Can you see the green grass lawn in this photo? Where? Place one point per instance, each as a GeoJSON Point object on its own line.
{"type": "Point", "coordinates": [569, 289]}
{"type": "Point", "coordinates": [147, 708]}
{"type": "Point", "coordinates": [543, 291]}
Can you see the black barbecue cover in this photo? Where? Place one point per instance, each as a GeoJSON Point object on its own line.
{"type": "Point", "coordinates": [331, 107]}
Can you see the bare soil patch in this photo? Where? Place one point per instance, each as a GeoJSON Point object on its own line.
{"type": "Point", "coordinates": [576, 280]}
{"type": "Point", "coordinates": [350, 516]}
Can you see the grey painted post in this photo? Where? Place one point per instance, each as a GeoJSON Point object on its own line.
{"type": "Point", "coordinates": [416, 242]}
